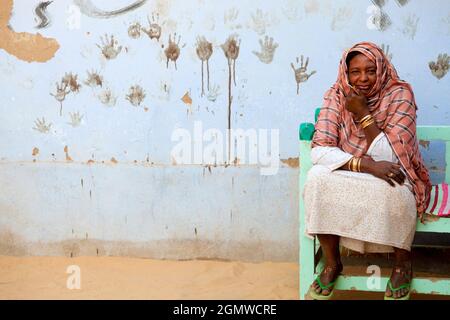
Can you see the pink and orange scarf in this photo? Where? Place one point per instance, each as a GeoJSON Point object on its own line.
{"type": "Point", "coordinates": [392, 104]}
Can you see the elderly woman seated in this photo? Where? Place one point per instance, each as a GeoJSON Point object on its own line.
{"type": "Point", "coordinates": [368, 182]}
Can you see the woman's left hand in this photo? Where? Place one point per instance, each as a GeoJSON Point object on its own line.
{"type": "Point", "coordinates": [357, 104]}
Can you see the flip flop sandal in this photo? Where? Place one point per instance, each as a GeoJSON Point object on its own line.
{"type": "Point", "coordinates": [393, 290]}
{"type": "Point", "coordinates": [317, 296]}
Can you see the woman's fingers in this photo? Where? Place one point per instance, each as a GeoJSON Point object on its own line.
{"type": "Point", "coordinates": [397, 174]}
{"type": "Point", "coordinates": [388, 180]}
{"type": "Point", "coordinates": [402, 177]}
{"type": "Point", "coordinates": [398, 179]}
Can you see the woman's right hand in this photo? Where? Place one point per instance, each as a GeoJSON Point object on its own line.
{"type": "Point", "coordinates": [386, 171]}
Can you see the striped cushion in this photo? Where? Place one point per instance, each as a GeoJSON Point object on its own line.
{"type": "Point", "coordinates": [439, 202]}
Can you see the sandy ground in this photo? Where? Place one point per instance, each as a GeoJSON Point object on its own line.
{"type": "Point", "coordinates": [131, 278]}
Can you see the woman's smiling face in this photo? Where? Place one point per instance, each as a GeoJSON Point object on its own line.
{"type": "Point", "coordinates": [362, 73]}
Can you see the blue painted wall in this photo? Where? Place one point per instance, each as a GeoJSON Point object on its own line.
{"type": "Point", "coordinates": [70, 197]}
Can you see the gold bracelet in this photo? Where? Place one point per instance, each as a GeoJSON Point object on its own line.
{"type": "Point", "coordinates": [368, 123]}
{"type": "Point", "coordinates": [368, 119]}
{"type": "Point", "coordinates": [359, 164]}
{"type": "Point", "coordinates": [349, 163]}
{"type": "Point", "coordinates": [365, 118]}
{"type": "Point", "coordinates": [354, 164]}
{"type": "Point", "coordinates": [355, 167]}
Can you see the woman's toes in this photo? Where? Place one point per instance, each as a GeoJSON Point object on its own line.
{"type": "Point", "coordinates": [325, 292]}
{"type": "Point", "coordinates": [388, 292]}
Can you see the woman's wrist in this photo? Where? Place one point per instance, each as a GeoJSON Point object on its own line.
{"type": "Point", "coordinates": [367, 165]}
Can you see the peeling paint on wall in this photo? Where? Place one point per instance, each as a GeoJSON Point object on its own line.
{"type": "Point", "coordinates": [66, 151]}
{"type": "Point", "coordinates": [291, 162]}
{"type": "Point", "coordinates": [24, 46]}
{"type": "Point", "coordinates": [35, 151]}
{"type": "Point", "coordinates": [425, 144]}
{"type": "Point", "coordinates": [187, 99]}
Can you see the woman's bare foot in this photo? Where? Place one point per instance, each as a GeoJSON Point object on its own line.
{"type": "Point", "coordinates": [400, 280]}
{"type": "Point", "coordinates": [328, 275]}
{"type": "Point", "coordinates": [401, 276]}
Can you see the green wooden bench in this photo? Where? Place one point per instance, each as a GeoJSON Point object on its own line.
{"type": "Point", "coordinates": [310, 260]}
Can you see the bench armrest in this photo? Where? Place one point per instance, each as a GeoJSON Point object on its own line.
{"type": "Point", "coordinates": [306, 131]}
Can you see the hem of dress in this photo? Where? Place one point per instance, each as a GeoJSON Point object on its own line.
{"type": "Point", "coordinates": [380, 242]}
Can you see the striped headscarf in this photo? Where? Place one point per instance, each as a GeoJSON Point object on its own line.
{"type": "Point", "coordinates": [391, 103]}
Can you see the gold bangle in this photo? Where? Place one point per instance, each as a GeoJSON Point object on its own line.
{"type": "Point", "coordinates": [365, 118]}
{"type": "Point", "coordinates": [349, 163]}
{"type": "Point", "coordinates": [370, 118]}
{"type": "Point", "coordinates": [354, 164]}
{"type": "Point", "coordinates": [368, 123]}
{"type": "Point", "coordinates": [359, 164]}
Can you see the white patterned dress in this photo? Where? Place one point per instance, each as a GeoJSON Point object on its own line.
{"type": "Point", "coordinates": [366, 212]}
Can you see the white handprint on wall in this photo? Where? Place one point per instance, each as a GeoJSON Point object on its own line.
{"type": "Point", "coordinates": [268, 48]}
{"type": "Point", "coordinates": [109, 47]}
